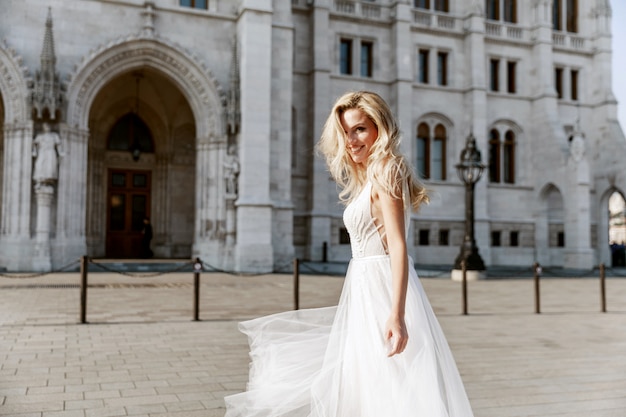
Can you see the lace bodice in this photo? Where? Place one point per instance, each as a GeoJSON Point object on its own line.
{"type": "Point", "coordinates": [366, 238]}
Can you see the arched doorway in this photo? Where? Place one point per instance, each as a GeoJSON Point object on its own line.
{"type": "Point", "coordinates": [141, 157]}
{"type": "Point", "coordinates": [617, 229]}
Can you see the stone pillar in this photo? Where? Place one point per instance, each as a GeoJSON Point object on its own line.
{"type": "Point", "coordinates": [578, 253]}
{"type": "Point", "coordinates": [254, 251]}
{"type": "Point", "coordinates": [281, 156]}
{"type": "Point", "coordinates": [475, 122]}
{"type": "Point", "coordinates": [402, 86]}
{"type": "Point", "coordinates": [71, 243]}
{"type": "Point", "coordinates": [44, 194]}
{"type": "Point", "coordinates": [207, 244]}
{"type": "Point", "coordinates": [323, 195]}
{"type": "Point", "coordinates": [15, 243]}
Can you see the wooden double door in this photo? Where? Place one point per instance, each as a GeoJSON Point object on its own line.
{"type": "Point", "coordinates": [128, 203]}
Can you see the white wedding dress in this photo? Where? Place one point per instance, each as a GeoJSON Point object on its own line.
{"type": "Point", "coordinates": [332, 362]}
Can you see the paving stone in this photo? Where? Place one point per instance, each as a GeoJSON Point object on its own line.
{"type": "Point", "coordinates": [143, 355]}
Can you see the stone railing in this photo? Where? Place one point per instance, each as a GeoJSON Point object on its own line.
{"type": "Point", "coordinates": [435, 20]}
{"type": "Point", "coordinates": [506, 31]}
{"type": "Point", "coordinates": [568, 41]}
{"type": "Point", "coordinates": [361, 9]}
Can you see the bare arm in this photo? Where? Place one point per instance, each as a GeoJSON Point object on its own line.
{"type": "Point", "coordinates": [392, 210]}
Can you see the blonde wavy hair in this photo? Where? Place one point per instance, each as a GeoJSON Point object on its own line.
{"type": "Point", "coordinates": [387, 168]}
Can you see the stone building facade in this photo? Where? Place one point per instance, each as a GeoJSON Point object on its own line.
{"type": "Point", "coordinates": [203, 115]}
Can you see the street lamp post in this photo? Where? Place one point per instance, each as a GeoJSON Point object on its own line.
{"type": "Point", "coordinates": [469, 169]}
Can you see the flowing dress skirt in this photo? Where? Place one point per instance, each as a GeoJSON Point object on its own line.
{"type": "Point", "coordinates": [332, 362]}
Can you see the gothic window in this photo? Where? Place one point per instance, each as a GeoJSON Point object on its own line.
{"type": "Point", "coordinates": [431, 152]}
{"type": "Point", "coordinates": [423, 66]}
{"type": "Point", "coordinates": [442, 68]}
{"type": "Point", "coordinates": [494, 156]}
{"type": "Point", "coordinates": [442, 6]}
{"type": "Point", "coordinates": [493, 9]}
{"type": "Point", "coordinates": [196, 4]}
{"type": "Point", "coordinates": [558, 82]}
{"type": "Point", "coordinates": [366, 58]}
{"type": "Point", "coordinates": [423, 150]}
{"type": "Point", "coordinates": [574, 85]}
{"type": "Point", "coordinates": [508, 157]}
{"type": "Point", "coordinates": [502, 157]}
{"type": "Point", "coordinates": [510, 72]}
{"type": "Point", "coordinates": [129, 133]}
{"type": "Point", "coordinates": [508, 8]}
{"type": "Point", "coordinates": [494, 70]}
{"type": "Point", "coordinates": [565, 15]}
{"type": "Point", "coordinates": [345, 56]}
{"type": "Point", "coordinates": [495, 238]}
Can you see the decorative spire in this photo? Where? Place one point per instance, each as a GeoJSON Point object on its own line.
{"type": "Point", "coordinates": [233, 110]}
{"type": "Point", "coordinates": [47, 92]}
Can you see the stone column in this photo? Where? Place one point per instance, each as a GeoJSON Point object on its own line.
{"type": "Point", "coordinates": [402, 87]}
{"type": "Point", "coordinates": [322, 99]}
{"type": "Point", "coordinates": [15, 244]}
{"type": "Point", "coordinates": [71, 242]}
{"type": "Point", "coordinates": [475, 122]}
{"type": "Point", "coordinates": [281, 131]}
{"type": "Point", "coordinates": [254, 252]}
{"type": "Point", "coordinates": [44, 194]}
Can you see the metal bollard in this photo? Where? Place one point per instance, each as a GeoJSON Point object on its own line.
{"type": "Point", "coordinates": [537, 272]}
{"type": "Point", "coordinates": [84, 265]}
{"type": "Point", "coordinates": [197, 267]}
{"type": "Point", "coordinates": [296, 284]}
{"type": "Point", "coordinates": [602, 288]}
{"type": "Point", "coordinates": [464, 286]}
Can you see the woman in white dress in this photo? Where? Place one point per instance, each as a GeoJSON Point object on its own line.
{"type": "Point", "coordinates": [380, 352]}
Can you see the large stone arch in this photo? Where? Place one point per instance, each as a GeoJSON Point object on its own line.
{"type": "Point", "coordinates": [196, 82]}
{"type": "Point", "coordinates": [205, 98]}
{"type": "Point", "coordinates": [602, 243]}
{"type": "Point", "coordinates": [546, 218]}
{"type": "Point", "coordinates": [13, 86]}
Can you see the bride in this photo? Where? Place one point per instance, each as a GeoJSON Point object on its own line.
{"type": "Point", "coordinates": [380, 352]}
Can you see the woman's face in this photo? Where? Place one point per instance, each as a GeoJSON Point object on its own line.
{"type": "Point", "coordinates": [361, 133]}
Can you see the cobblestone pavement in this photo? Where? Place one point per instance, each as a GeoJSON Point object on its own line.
{"type": "Point", "coordinates": [142, 354]}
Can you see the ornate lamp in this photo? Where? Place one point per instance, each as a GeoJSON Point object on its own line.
{"type": "Point", "coordinates": [470, 168]}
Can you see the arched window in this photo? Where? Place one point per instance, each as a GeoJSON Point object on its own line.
{"type": "Point", "coordinates": [494, 156]}
{"type": "Point", "coordinates": [502, 156]}
{"type": "Point", "coordinates": [129, 133]}
{"type": "Point", "coordinates": [438, 156]}
{"type": "Point", "coordinates": [423, 151]}
{"type": "Point", "coordinates": [508, 156]}
{"type": "Point", "coordinates": [431, 151]}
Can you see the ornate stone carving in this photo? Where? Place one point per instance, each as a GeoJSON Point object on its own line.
{"type": "Point", "coordinates": [231, 172]}
{"type": "Point", "coordinates": [47, 92]}
{"type": "Point", "coordinates": [125, 49]}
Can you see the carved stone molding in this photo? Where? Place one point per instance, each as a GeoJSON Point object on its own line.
{"type": "Point", "coordinates": [207, 98]}
{"type": "Point", "coordinates": [14, 78]}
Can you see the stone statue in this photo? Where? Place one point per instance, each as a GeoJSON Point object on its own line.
{"type": "Point", "coordinates": [231, 171]}
{"type": "Point", "coordinates": [577, 147]}
{"type": "Point", "coordinates": [46, 149]}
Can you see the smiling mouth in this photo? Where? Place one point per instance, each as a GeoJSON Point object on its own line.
{"type": "Point", "coordinates": [356, 150]}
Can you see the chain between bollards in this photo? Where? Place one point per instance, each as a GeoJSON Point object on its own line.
{"type": "Point", "coordinates": [602, 288]}
{"type": "Point", "coordinates": [296, 284]}
{"type": "Point", "coordinates": [537, 272]}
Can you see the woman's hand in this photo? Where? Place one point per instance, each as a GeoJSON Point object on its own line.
{"type": "Point", "coordinates": [396, 336]}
